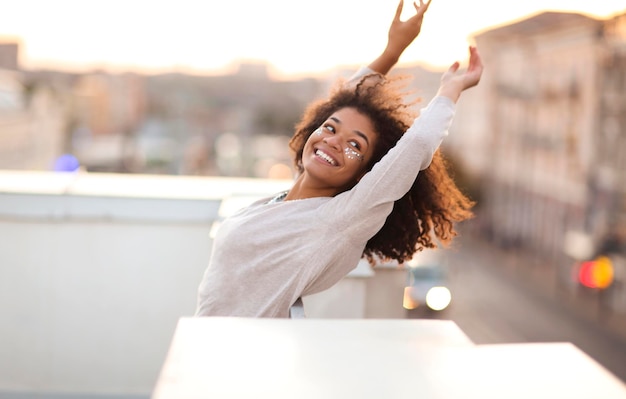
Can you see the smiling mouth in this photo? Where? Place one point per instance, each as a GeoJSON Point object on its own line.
{"type": "Point", "coordinates": [325, 157]}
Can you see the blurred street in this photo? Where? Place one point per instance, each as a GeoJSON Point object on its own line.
{"type": "Point", "coordinates": [499, 297]}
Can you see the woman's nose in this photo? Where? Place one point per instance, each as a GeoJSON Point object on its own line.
{"type": "Point", "coordinates": [333, 141]}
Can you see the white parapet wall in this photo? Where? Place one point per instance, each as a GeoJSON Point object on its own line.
{"type": "Point", "coordinates": [366, 293]}
{"type": "Point", "coordinates": [96, 270]}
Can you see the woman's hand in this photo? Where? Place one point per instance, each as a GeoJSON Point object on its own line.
{"type": "Point", "coordinates": [401, 35]}
{"type": "Point", "coordinates": [453, 83]}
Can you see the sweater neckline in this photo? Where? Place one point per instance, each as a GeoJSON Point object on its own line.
{"type": "Point", "coordinates": [280, 197]}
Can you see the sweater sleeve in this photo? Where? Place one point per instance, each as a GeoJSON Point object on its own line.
{"type": "Point", "coordinates": [359, 74]}
{"type": "Point", "coordinates": [362, 211]}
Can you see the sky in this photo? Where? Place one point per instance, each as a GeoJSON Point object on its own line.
{"type": "Point", "coordinates": [294, 37]}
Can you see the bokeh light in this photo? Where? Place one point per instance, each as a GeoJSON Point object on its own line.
{"type": "Point", "coordinates": [597, 273]}
{"type": "Point", "coordinates": [66, 163]}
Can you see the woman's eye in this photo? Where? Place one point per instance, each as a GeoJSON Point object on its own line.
{"type": "Point", "coordinates": [329, 128]}
{"type": "Point", "coordinates": [355, 144]}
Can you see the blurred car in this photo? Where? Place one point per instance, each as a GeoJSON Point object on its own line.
{"type": "Point", "coordinates": [427, 287]}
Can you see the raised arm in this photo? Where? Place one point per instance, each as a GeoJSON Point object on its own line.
{"type": "Point", "coordinates": [392, 176]}
{"type": "Point", "coordinates": [401, 35]}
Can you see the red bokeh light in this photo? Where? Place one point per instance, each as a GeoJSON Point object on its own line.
{"type": "Point", "coordinates": [597, 273]}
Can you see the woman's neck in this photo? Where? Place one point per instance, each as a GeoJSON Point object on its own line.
{"type": "Point", "coordinates": [303, 188]}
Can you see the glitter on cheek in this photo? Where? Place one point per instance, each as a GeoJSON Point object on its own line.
{"type": "Point", "coordinates": [318, 132]}
{"type": "Point", "coordinates": [351, 154]}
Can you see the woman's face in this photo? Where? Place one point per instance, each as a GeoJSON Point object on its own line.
{"type": "Point", "coordinates": [335, 156]}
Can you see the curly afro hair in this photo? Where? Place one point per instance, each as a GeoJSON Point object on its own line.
{"type": "Point", "coordinates": [429, 210]}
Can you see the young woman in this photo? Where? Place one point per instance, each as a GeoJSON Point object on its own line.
{"type": "Point", "coordinates": [371, 183]}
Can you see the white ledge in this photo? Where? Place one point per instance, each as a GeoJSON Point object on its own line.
{"type": "Point", "coordinates": [304, 358]}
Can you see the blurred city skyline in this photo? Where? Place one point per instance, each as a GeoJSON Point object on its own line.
{"type": "Point", "coordinates": [214, 37]}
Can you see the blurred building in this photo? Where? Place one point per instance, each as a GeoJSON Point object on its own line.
{"type": "Point", "coordinates": [231, 125]}
{"type": "Point", "coordinates": [105, 115]}
{"type": "Point", "coordinates": [32, 124]}
{"type": "Point", "coordinates": [9, 56]}
{"type": "Point", "coordinates": [609, 183]}
{"type": "Point", "coordinates": [553, 148]}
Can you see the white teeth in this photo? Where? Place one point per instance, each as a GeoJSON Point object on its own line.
{"type": "Point", "coordinates": [325, 157]}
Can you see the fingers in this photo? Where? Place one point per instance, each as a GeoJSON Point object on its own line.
{"type": "Point", "coordinates": [421, 9]}
{"type": "Point", "coordinates": [475, 62]}
{"type": "Point", "coordinates": [398, 11]}
{"type": "Point", "coordinates": [454, 67]}
{"type": "Point", "coordinates": [475, 68]}
{"type": "Point", "coordinates": [473, 52]}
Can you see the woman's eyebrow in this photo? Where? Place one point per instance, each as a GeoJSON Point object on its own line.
{"type": "Point", "coordinates": [338, 121]}
{"type": "Point", "coordinates": [362, 135]}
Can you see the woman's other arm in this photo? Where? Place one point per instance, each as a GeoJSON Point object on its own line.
{"type": "Point", "coordinates": [401, 34]}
